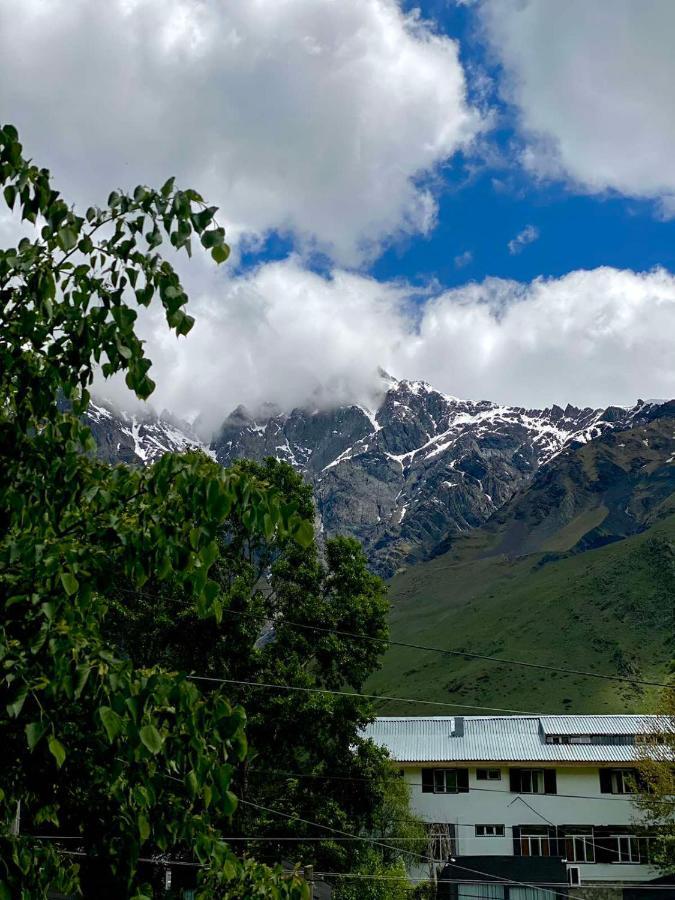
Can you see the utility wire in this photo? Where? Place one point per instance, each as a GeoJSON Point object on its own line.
{"type": "Point", "coordinates": [315, 690]}
{"type": "Point", "coordinates": [466, 654]}
{"type": "Point", "coordinates": [421, 856]}
{"type": "Point", "coordinates": [624, 799]}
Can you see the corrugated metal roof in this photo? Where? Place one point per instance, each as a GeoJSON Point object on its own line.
{"type": "Point", "coordinates": [503, 738]}
{"type": "Point", "coordinates": [599, 724]}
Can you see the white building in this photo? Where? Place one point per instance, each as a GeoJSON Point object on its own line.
{"type": "Point", "coordinates": [529, 787]}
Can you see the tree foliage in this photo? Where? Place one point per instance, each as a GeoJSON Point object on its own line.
{"type": "Point", "coordinates": [656, 800]}
{"type": "Point", "coordinates": [313, 618]}
{"type": "Point", "coordinates": [130, 760]}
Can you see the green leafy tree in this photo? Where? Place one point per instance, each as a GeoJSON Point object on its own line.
{"type": "Point", "coordinates": [134, 762]}
{"type": "Point", "coordinates": [311, 618]}
{"type": "Point", "coordinates": [656, 800]}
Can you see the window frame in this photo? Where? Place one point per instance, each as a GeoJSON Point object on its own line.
{"type": "Point", "coordinates": [543, 841]}
{"type": "Point", "coordinates": [623, 786]}
{"type": "Point", "coordinates": [498, 830]}
{"type": "Point", "coordinates": [633, 844]}
{"type": "Point", "coordinates": [587, 841]}
{"type": "Point", "coordinates": [488, 774]}
{"type": "Point", "coordinates": [531, 774]}
{"type": "Point", "coordinates": [444, 774]}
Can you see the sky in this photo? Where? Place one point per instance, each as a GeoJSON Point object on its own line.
{"type": "Point", "coordinates": [477, 193]}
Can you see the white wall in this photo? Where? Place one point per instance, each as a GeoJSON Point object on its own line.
{"type": "Point", "coordinates": [491, 802]}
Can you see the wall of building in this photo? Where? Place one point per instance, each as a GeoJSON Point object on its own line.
{"type": "Point", "coordinates": [491, 802]}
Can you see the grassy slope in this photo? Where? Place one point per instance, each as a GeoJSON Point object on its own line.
{"type": "Point", "coordinates": [609, 609]}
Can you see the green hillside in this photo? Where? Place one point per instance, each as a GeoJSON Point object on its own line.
{"type": "Point", "coordinates": [577, 571]}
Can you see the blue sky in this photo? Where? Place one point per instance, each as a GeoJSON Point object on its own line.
{"type": "Point", "coordinates": [576, 231]}
{"type": "Point", "coordinates": [485, 200]}
{"type": "Point", "coordinates": [375, 162]}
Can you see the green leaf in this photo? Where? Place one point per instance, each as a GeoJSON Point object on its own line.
{"type": "Point", "coordinates": [10, 195]}
{"type": "Point", "coordinates": [67, 238]}
{"type": "Point", "coordinates": [151, 738]}
{"type": "Point", "coordinates": [111, 722]}
{"type": "Point", "coordinates": [304, 533]}
{"type": "Point", "coordinates": [143, 828]}
{"type": "Point", "coordinates": [70, 583]}
{"type": "Point", "coordinates": [209, 554]}
{"type": "Point", "coordinates": [215, 237]}
{"type": "Point", "coordinates": [34, 731]}
{"type": "Point", "coordinates": [167, 187]}
{"type": "Point", "coordinates": [191, 783]}
{"type": "Point", "coordinates": [57, 750]}
{"type": "Point", "coordinates": [220, 253]}
{"type": "Point", "coordinates": [15, 708]}
{"type": "Point", "coordinates": [228, 803]}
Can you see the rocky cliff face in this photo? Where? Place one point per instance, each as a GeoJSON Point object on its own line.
{"type": "Point", "coordinates": [138, 440]}
{"type": "Point", "coordinates": [406, 478]}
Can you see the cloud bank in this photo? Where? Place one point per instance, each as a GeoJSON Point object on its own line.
{"type": "Point", "coordinates": [320, 118]}
{"type": "Point", "coordinates": [592, 83]}
{"type": "Point", "coordinates": [292, 337]}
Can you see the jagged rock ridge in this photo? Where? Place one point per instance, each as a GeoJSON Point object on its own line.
{"type": "Point", "coordinates": [422, 468]}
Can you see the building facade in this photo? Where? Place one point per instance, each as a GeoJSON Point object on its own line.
{"type": "Point", "coordinates": [532, 788]}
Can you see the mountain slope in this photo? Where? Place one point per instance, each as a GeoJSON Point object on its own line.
{"type": "Point", "coordinates": [577, 570]}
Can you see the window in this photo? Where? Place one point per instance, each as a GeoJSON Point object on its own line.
{"type": "Point", "coordinates": [629, 849]}
{"type": "Point", "coordinates": [445, 781]}
{"type": "Point", "coordinates": [617, 781]}
{"type": "Point", "coordinates": [489, 774]}
{"type": "Point", "coordinates": [598, 739]}
{"type": "Point", "coordinates": [481, 892]}
{"type": "Point", "coordinates": [535, 844]}
{"type": "Point", "coordinates": [617, 845]}
{"type": "Point", "coordinates": [529, 893]}
{"type": "Point", "coordinates": [441, 841]}
{"type": "Point", "coordinates": [489, 831]}
{"type": "Point", "coordinates": [532, 781]}
{"type": "Point", "coordinates": [580, 847]}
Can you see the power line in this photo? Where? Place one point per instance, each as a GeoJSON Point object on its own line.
{"type": "Point", "coordinates": [625, 799]}
{"type": "Point", "coordinates": [466, 654]}
{"type": "Point", "coordinates": [382, 877]}
{"type": "Point", "coordinates": [421, 856]}
{"type": "Point", "coordinates": [315, 690]}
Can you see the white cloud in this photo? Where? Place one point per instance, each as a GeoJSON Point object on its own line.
{"type": "Point", "coordinates": [463, 259]}
{"type": "Point", "coordinates": [293, 337]}
{"type": "Point", "coordinates": [280, 334]}
{"type": "Point", "coordinates": [593, 85]}
{"type": "Point", "coordinates": [317, 117]}
{"type": "Point", "coordinates": [528, 235]}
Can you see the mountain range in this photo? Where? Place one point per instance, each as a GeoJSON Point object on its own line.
{"type": "Point", "coordinates": [406, 478]}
